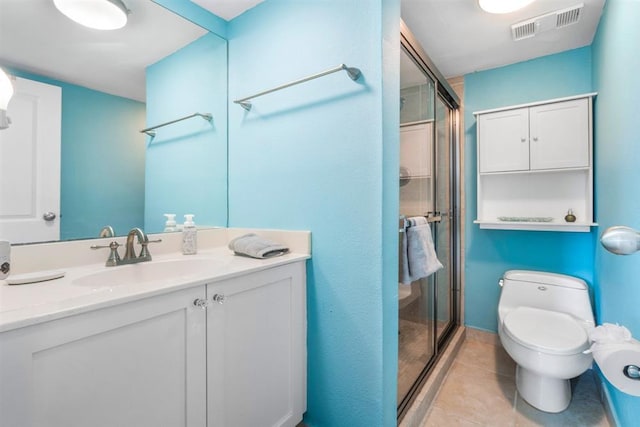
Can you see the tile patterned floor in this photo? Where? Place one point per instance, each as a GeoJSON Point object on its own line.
{"type": "Point", "coordinates": [480, 390]}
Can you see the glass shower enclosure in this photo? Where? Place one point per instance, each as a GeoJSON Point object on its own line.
{"type": "Point", "coordinates": [427, 309]}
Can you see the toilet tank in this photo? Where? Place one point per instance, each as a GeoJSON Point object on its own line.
{"type": "Point", "coordinates": [547, 291]}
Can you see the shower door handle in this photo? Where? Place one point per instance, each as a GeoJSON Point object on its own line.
{"type": "Point", "coordinates": [435, 216]}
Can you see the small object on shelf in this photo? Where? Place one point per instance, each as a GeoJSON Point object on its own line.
{"type": "Point", "coordinates": [525, 218]}
{"type": "Point", "coordinates": [405, 176]}
{"type": "Point", "coordinates": [570, 217]}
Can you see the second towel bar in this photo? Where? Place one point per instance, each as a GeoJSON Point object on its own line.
{"type": "Point", "coordinates": [150, 131]}
{"type": "Point", "coordinates": [431, 218]}
{"type": "Point", "coordinates": [354, 74]}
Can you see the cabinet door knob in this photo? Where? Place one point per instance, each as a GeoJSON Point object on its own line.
{"type": "Point", "coordinates": [219, 298]}
{"type": "Point", "coordinates": [535, 138]}
{"type": "Point", "coordinates": [523, 139]}
{"type": "Point", "coordinates": [201, 303]}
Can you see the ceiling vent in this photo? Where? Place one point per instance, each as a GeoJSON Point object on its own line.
{"type": "Point", "coordinates": [549, 21]}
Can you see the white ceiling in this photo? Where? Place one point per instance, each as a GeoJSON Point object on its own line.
{"type": "Point", "coordinates": [458, 36]}
{"type": "Point", "coordinates": [35, 37]}
{"type": "Point", "coordinates": [227, 9]}
{"type": "Point", "coordinates": [461, 38]}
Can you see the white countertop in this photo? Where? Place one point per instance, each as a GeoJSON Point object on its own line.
{"type": "Point", "coordinates": [28, 304]}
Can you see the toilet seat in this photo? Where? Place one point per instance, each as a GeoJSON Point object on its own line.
{"type": "Point", "coordinates": [546, 331]}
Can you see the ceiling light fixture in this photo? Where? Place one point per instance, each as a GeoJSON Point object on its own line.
{"type": "Point", "coordinates": [6, 92]}
{"type": "Point", "coordinates": [503, 6]}
{"type": "Point", "coordinates": [97, 14]}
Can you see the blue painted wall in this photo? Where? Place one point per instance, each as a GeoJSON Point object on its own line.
{"type": "Point", "coordinates": [491, 252]}
{"type": "Point", "coordinates": [616, 78]}
{"type": "Point", "coordinates": [186, 163]}
{"type": "Point", "coordinates": [323, 156]}
{"type": "Point", "coordinates": [102, 160]}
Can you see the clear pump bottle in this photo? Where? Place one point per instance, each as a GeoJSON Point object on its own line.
{"type": "Point", "coordinates": [189, 236]}
{"type": "Point", "coordinates": [170, 224]}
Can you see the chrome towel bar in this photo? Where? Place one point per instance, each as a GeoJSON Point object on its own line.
{"type": "Point", "coordinates": [431, 218]}
{"type": "Point", "coordinates": [354, 74]}
{"type": "Point", "coordinates": [150, 131]}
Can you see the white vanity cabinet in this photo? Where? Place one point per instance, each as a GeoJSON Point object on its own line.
{"type": "Point", "coordinates": [256, 349]}
{"type": "Point", "coordinates": [134, 364]}
{"type": "Point", "coordinates": [535, 164]}
{"type": "Point", "coordinates": [176, 359]}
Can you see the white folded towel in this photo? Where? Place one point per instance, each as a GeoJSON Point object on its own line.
{"type": "Point", "coordinates": [256, 247]}
{"type": "Point", "coordinates": [418, 257]}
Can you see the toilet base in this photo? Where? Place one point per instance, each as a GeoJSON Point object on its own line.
{"type": "Point", "coordinates": [543, 393]}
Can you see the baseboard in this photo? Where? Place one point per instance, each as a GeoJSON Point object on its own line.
{"type": "Point", "coordinates": [482, 336]}
{"type": "Point", "coordinates": [605, 398]}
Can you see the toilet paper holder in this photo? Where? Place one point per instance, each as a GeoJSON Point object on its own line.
{"type": "Point", "coordinates": [632, 372]}
{"type": "Point", "coordinates": [618, 356]}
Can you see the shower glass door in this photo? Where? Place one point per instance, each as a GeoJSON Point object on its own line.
{"type": "Point", "coordinates": [443, 229]}
{"type": "Point", "coordinates": [427, 308]}
{"type": "Point", "coordinates": [416, 334]}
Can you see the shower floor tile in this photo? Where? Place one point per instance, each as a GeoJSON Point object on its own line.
{"type": "Point", "coordinates": [480, 390]}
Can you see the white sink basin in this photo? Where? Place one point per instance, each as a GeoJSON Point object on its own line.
{"type": "Point", "coordinates": [150, 271]}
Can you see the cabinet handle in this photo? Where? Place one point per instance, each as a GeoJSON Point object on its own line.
{"type": "Point", "coordinates": [535, 138]}
{"type": "Point", "coordinates": [201, 303]}
{"type": "Point", "coordinates": [523, 139]}
{"type": "Point", "coordinates": [219, 298]}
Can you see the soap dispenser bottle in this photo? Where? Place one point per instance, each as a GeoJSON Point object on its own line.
{"type": "Point", "coordinates": [5, 258]}
{"type": "Point", "coordinates": [189, 236]}
{"type": "Point", "coordinates": [170, 225]}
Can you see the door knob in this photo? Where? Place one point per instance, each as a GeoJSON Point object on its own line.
{"type": "Point", "coordinates": [219, 298]}
{"type": "Point", "coordinates": [48, 216]}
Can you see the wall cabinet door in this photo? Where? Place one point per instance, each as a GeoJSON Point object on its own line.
{"type": "Point", "coordinates": [256, 349]}
{"type": "Point", "coordinates": [141, 363]}
{"type": "Point", "coordinates": [416, 148]}
{"type": "Point", "coordinates": [504, 141]}
{"type": "Point", "coordinates": [559, 135]}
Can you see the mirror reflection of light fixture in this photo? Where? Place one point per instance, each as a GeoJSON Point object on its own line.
{"type": "Point", "coordinates": [503, 6]}
{"type": "Point", "coordinates": [97, 14]}
{"type": "Point", "coordinates": [621, 240]}
{"type": "Point", "coordinates": [6, 92]}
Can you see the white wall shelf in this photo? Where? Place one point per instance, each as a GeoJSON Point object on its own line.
{"type": "Point", "coordinates": [535, 160]}
{"type": "Point", "coordinates": [537, 226]}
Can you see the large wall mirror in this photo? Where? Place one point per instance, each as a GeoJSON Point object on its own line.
{"type": "Point", "coordinates": [110, 85]}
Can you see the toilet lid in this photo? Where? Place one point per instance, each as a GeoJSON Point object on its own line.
{"type": "Point", "coordinates": [546, 331]}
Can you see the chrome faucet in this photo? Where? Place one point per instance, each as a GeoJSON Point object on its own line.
{"type": "Point", "coordinates": [130, 253]}
{"type": "Point", "coordinates": [107, 231]}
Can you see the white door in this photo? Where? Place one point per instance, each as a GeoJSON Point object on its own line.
{"type": "Point", "coordinates": [560, 135]}
{"type": "Point", "coordinates": [503, 141]}
{"type": "Point", "coordinates": [30, 164]}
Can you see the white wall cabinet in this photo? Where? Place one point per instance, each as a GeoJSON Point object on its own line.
{"type": "Point", "coordinates": [505, 141]}
{"type": "Point", "coordinates": [416, 148]}
{"type": "Point", "coordinates": [161, 360]}
{"type": "Point", "coordinates": [416, 165]}
{"type": "Point", "coordinates": [534, 164]}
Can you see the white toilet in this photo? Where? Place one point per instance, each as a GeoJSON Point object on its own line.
{"type": "Point", "coordinates": [544, 319]}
